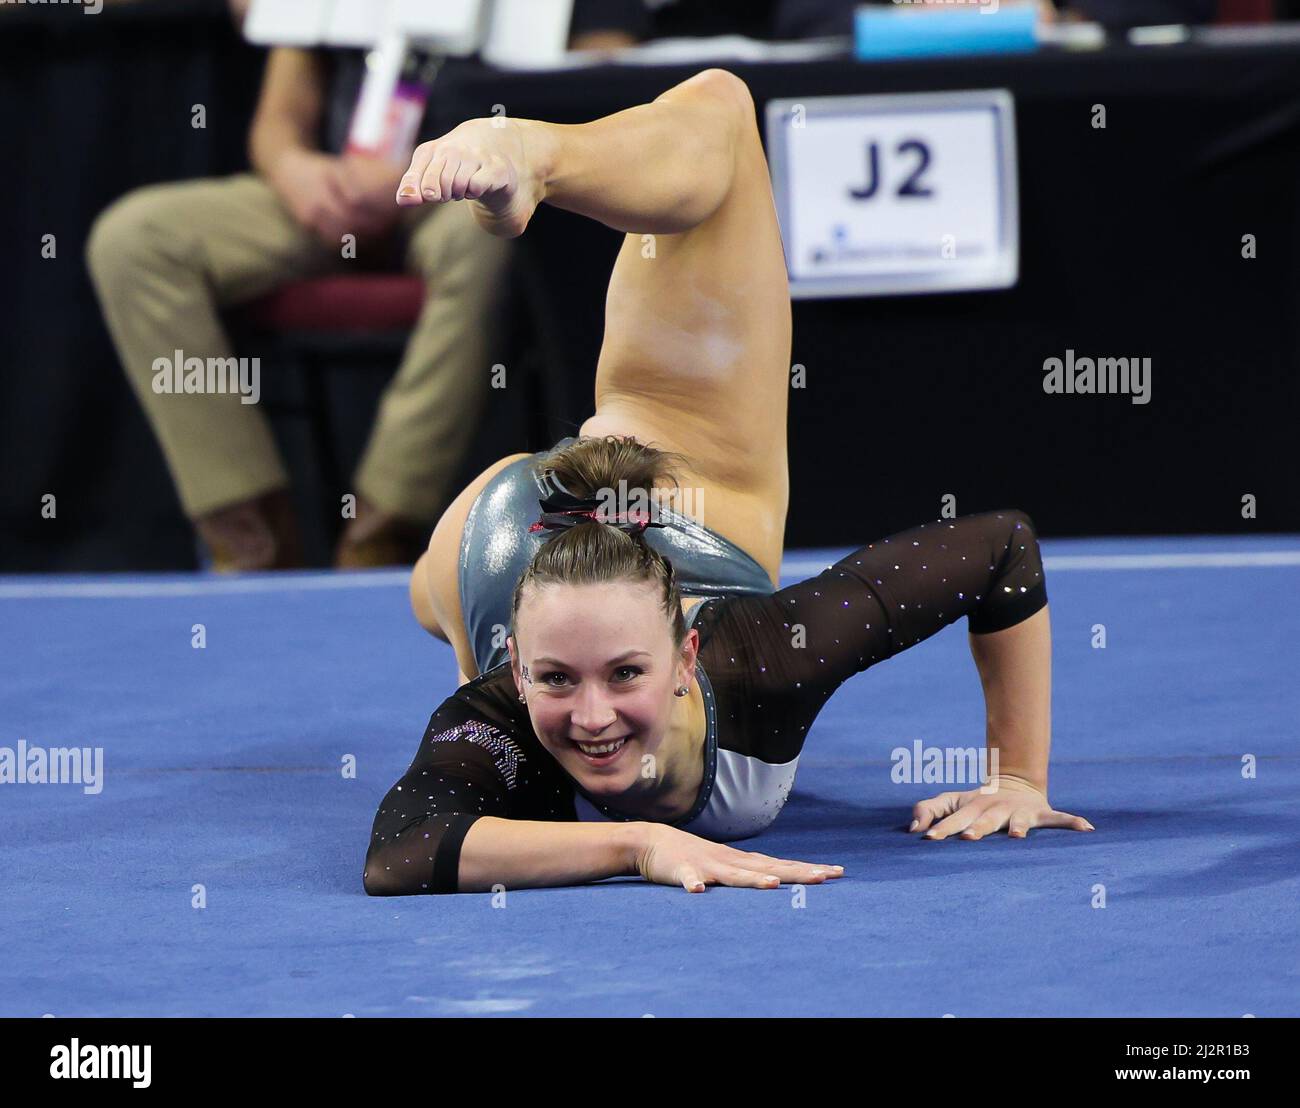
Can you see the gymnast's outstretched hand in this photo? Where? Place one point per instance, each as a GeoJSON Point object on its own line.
{"type": "Point", "coordinates": [671, 856]}
{"type": "Point", "coordinates": [493, 163]}
{"type": "Point", "coordinates": [1016, 805]}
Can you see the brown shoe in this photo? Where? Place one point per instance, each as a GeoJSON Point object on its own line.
{"type": "Point", "coordinates": [376, 538]}
{"type": "Point", "coordinates": [261, 533]}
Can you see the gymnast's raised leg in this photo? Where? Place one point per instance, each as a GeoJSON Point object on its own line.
{"type": "Point", "coordinates": [697, 337]}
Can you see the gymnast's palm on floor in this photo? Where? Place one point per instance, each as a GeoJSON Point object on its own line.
{"type": "Point", "coordinates": [484, 161]}
{"type": "Point", "coordinates": [675, 857]}
{"type": "Point", "coordinates": [1014, 804]}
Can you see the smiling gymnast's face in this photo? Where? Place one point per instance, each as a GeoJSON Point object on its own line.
{"type": "Point", "coordinates": [598, 668]}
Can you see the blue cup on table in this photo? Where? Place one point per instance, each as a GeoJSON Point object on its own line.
{"type": "Point", "coordinates": [910, 31]}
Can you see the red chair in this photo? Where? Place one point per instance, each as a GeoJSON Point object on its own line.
{"type": "Point", "coordinates": [367, 304]}
{"type": "Point", "coordinates": [1246, 11]}
{"type": "Point", "coordinates": [309, 327]}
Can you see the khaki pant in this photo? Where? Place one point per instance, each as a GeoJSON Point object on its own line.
{"type": "Point", "coordinates": [167, 258]}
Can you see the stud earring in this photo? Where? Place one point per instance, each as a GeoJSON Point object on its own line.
{"type": "Point", "coordinates": [521, 699]}
{"type": "Point", "coordinates": [682, 690]}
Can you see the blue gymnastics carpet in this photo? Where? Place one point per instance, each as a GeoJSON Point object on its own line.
{"type": "Point", "coordinates": [223, 768]}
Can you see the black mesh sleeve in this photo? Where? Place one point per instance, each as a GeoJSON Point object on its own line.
{"type": "Point", "coordinates": [777, 659]}
{"type": "Point", "coordinates": [465, 768]}
{"type": "Point", "coordinates": [897, 591]}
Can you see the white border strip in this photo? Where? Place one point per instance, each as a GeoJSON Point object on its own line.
{"type": "Point", "coordinates": [799, 568]}
{"type": "Point", "coordinates": [805, 567]}
{"type": "Point", "coordinates": [1173, 561]}
{"type": "Point", "coordinates": [207, 586]}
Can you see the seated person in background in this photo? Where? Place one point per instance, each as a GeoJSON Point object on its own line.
{"type": "Point", "coordinates": [166, 259]}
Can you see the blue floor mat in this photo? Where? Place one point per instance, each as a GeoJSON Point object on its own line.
{"type": "Point", "coordinates": [223, 768]}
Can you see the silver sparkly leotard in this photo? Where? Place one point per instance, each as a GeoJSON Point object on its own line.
{"type": "Point", "coordinates": [495, 549]}
{"type": "Point", "coordinates": [766, 665]}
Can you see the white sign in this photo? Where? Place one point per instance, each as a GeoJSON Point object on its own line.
{"type": "Point", "coordinates": [454, 27]}
{"type": "Point", "coordinates": [513, 33]}
{"type": "Point", "coordinates": [914, 192]}
{"type": "Point", "coordinates": [525, 33]}
{"type": "Point", "coordinates": [287, 22]}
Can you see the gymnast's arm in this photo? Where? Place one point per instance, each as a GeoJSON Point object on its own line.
{"type": "Point", "coordinates": [888, 596]}
{"type": "Point", "coordinates": [808, 638]}
{"type": "Point", "coordinates": [447, 826]}
{"type": "Point", "coordinates": [289, 111]}
{"type": "Point", "coordinates": [519, 853]}
{"type": "Point", "coordinates": [530, 853]}
{"type": "Point", "coordinates": [451, 823]}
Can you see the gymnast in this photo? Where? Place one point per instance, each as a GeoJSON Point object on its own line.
{"type": "Point", "coordinates": [635, 687]}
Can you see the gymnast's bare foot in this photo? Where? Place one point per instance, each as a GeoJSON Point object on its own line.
{"type": "Point", "coordinates": [496, 164]}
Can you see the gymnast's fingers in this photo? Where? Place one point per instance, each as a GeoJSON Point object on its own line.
{"type": "Point", "coordinates": [992, 820]}
{"type": "Point", "coordinates": [408, 188]}
{"type": "Point", "coordinates": [1053, 818]}
{"type": "Point", "coordinates": [789, 870]}
{"type": "Point", "coordinates": [1019, 826]}
{"type": "Point", "coordinates": [740, 878]}
{"type": "Point", "coordinates": [953, 824]}
{"type": "Point", "coordinates": [925, 812]}
{"type": "Point", "coordinates": [690, 879]}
